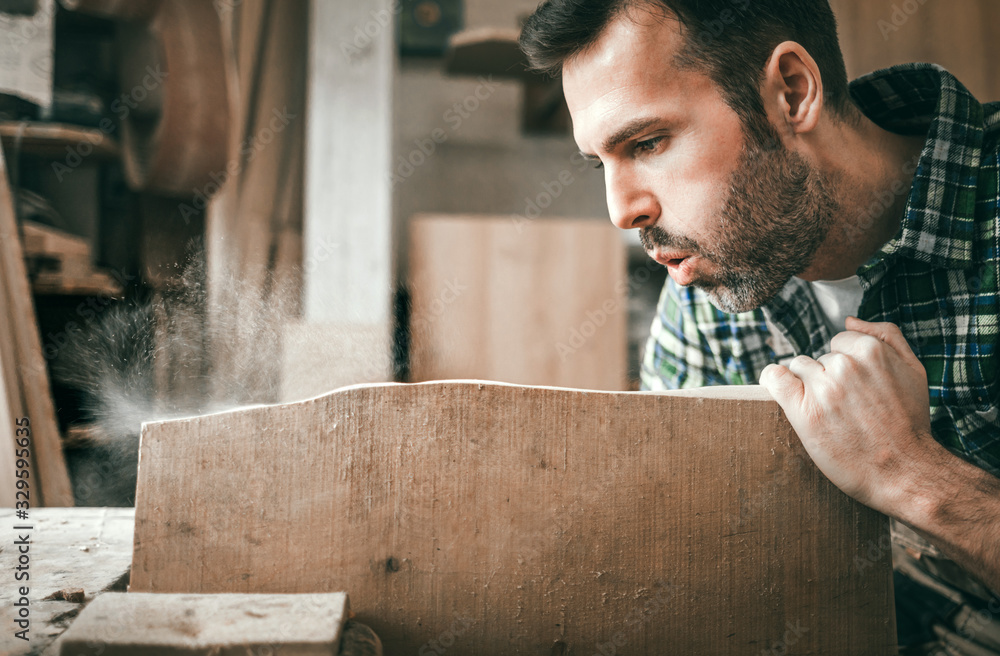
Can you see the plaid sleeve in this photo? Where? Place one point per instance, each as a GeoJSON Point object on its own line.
{"type": "Point", "coordinates": [693, 344]}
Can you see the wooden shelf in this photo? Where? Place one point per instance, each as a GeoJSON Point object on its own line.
{"type": "Point", "coordinates": [61, 264]}
{"type": "Point", "coordinates": [52, 139]}
{"type": "Point", "coordinates": [488, 51]}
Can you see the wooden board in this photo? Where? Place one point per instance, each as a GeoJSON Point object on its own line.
{"type": "Point", "coordinates": [522, 520]}
{"type": "Point", "coordinates": [50, 480]}
{"type": "Point", "coordinates": [52, 140]}
{"type": "Point", "coordinates": [875, 34]}
{"type": "Point", "coordinates": [11, 409]}
{"type": "Point", "coordinates": [539, 302]}
{"type": "Point", "coordinates": [210, 625]}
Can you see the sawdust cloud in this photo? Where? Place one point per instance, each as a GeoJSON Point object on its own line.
{"type": "Point", "coordinates": [181, 353]}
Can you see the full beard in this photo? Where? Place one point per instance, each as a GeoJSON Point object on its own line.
{"type": "Point", "coordinates": [777, 213]}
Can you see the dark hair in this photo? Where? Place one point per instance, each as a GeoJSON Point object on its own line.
{"type": "Point", "coordinates": [730, 40]}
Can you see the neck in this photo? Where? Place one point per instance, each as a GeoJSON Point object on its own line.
{"type": "Point", "coordinates": [871, 171]}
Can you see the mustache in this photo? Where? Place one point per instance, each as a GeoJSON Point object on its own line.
{"type": "Point", "coordinates": [654, 236]}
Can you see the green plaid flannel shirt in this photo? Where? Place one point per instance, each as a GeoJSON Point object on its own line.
{"type": "Point", "coordinates": [936, 279]}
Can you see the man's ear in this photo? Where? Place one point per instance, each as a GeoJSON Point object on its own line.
{"type": "Point", "coordinates": [793, 88]}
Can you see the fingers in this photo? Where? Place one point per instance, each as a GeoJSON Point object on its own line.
{"type": "Point", "coordinates": [889, 333]}
{"type": "Point", "coordinates": [784, 386]}
{"type": "Point", "coordinates": [805, 367]}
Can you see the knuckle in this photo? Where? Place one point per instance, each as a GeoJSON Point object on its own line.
{"type": "Point", "coordinates": [892, 329]}
{"type": "Point", "coordinates": [868, 346]}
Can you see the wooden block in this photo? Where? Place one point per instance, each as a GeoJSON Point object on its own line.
{"type": "Point", "coordinates": [62, 263]}
{"type": "Point", "coordinates": [530, 302]}
{"type": "Point", "coordinates": [125, 624]}
{"type": "Point", "coordinates": [505, 519]}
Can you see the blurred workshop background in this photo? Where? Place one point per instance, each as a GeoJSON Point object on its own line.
{"type": "Point", "coordinates": [225, 202]}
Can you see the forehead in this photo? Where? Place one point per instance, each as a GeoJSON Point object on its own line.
{"type": "Point", "coordinates": [630, 70]}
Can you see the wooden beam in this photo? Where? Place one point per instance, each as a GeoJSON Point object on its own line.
{"type": "Point", "coordinates": [51, 486]}
{"type": "Point", "coordinates": [522, 520]}
{"type": "Point", "coordinates": [347, 247]}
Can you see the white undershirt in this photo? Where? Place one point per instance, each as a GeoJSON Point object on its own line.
{"type": "Point", "coordinates": [838, 299]}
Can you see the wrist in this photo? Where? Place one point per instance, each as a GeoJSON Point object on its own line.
{"type": "Point", "coordinates": [943, 496]}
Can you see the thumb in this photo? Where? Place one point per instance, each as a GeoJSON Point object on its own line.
{"type": "Point", "coordinates": [786, 388]}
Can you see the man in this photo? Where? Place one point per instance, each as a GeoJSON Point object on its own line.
{"type": "Point", "coordinates": [785, 203]}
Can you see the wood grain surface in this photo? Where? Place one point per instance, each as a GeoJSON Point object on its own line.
{"type": "Point", "coordinates": [505, 519]}
{"type": "Point", "coordinates": [541, 302]}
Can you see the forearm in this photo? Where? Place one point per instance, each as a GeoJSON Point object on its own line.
{"type": "Point", "coordinates": [955, 506]}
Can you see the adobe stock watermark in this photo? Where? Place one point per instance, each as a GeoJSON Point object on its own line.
{"type": "Point", "coordinates": [447, 639]}
{"type": "Point", "coordinates": [453, 117]}
{"type": "Point", "coordinates": [761, 497]}
{"type": "Point", "coordinates": [122, 107]}
{"type": "Point", "coordinates": [882, 202]}
{"type": "Point", "coordinates": [251, 147]}
{"type": "Point", "coordinates": [873, 552]}
{"type": "Point", "coordinates": [552, 189]}
{"type": "Point", "coordinates": [901, 14]}
{"type": "Point", "coordinates": [225, 6]}
{"type": "Point", "coordinates": [976, 624]}
{"type": "Point", "coordinates": [790, 638]}
{"type": "Point", "coordinates": [598, 317]}
{"type": "Point", "coordinates": [562, 522]}
{"type": "Point", "coordinates": [715, 28]}
{"type": "Point", "coordinates": [365, 33]}
{"type": "Point", "coordinates": [636, 618]}
{"type": "Point", "coordinates": [28, 26]}
{"type": "Point", "coordinates": [424, 317]}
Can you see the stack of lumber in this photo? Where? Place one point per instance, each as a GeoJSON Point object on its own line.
{"type": "Point", "coordinates": [24, 380]}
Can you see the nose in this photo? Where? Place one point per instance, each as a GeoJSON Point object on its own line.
{"type": "Point", "coordinates": [631, 204]}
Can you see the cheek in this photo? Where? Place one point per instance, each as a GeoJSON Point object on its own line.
{"type": "Point", "coordinates": [693, 184]}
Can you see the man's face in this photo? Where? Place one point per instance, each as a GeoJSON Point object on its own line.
{"type": "Point", "coordinates": [726, 209]}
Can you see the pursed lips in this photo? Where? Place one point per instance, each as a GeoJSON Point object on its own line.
{"type": "Point", "coordinates": [680, 266]}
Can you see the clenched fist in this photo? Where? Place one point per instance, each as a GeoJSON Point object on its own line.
{"type": "Point", "coordinates": [862, 412]}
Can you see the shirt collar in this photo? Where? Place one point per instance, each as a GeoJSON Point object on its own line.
{"type": "Point", "coordinates": [938, 222]}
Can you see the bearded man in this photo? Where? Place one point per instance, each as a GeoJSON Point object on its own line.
{"type": "Point", "coordinates": [839, 243]}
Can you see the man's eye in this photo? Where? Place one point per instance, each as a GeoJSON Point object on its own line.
{"type": "Point", "coordinates": [598, 164]}
{"type": "Point", "coordinates": [649, 144]}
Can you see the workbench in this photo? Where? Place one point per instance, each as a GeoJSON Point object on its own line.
{"type": "Point", "coordinates": [75, 554]}
{"type": "Point", "coordinates": [70, 550]}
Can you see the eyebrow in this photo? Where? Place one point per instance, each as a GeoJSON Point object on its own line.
{"type": "Point", "coordinates": [623, 134]}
